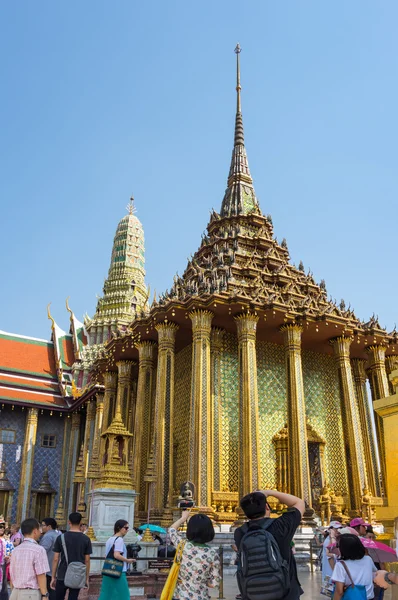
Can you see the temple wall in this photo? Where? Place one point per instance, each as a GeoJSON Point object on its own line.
{"type": "Point", "coordinates": [182, 397]}
{"type": "Point", "coordinates": [322, 399]}
{"type": "Point", "coordinates": [272, 393]}
{"type": "Point", "coordinates": [229, 417]}
{"type": "Point", "coordinates": [12, 453]}
{"type": "Point", "coordinates": [49, 457]}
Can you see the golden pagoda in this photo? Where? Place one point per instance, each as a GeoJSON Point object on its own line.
{"type": "Point", "coordinates": [244, 375]}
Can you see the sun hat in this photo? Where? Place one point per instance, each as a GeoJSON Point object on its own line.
{"type": "Point", "coordinates": [357, 521]}
{"type": "Point", "coordinates": [335, 525]}
{"type": "Point", "coordinates": [350, 530]}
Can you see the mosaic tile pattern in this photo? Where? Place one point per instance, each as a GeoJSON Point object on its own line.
{"type": "Point", "coordinates": [322, 399]}
{"type": "Point", "coordinates": [11, 453]}
{"type": "Point", "coordinates": [229, 414]}
{"type": "Point", "coordinates": [182, 397]}
{"type": "Point", "coordinates": [272, 394]}
{"type": "Point", "coordinates": [50, 457]}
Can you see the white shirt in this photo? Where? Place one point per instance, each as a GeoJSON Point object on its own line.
{"type": "Point", "coordinates": [327, 569]}
{"type": "Point", "coordinates": [361, 572]}
{"type": "Point", "coordinates": [120, 546]}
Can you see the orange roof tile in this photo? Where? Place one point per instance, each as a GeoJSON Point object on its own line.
{"type": "Point", "coordinates": [28, 382]}
{"type": "Point", "coordinates": [29, 397]}
{"type": "Point", "coordinates": [27, 355]}
{"type": "Point", "coordinates": [68, 352]}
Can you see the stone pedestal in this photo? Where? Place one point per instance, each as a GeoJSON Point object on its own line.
{"type": "Point", "coordinates": [108, 506]}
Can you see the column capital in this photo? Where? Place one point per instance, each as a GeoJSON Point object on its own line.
{"type": "Point", "coordinates": [292, 335]}
{"type": "Point", "coordinates": [391, 363]}
{"type": "Point", "coordinates": [377, 355]}
{"type": "Point", "coordinates": [358, 370]}
{"type": "Point", "coordinates": [124, 368]}
{"type": "Point", "coordinates": [91, 410]}
{"type": "Point", "coordinates": [167, 332]}
{"type": "Point", "coordinates": [100, 401]}
{"type": "Point", "coordinates": [146, 352]}
{"type": "Point", "coordinates": [33, 414]}
{"type": "Point", "coordinates": [75, 420]}
{"type": "Point", "coordinates": [341, 346]}
{"type": "Point", "coordinates": [110, 379]}
{"type": "Point", "coordinates": [216, 339]}
{"type": "Point", "coordinates": [246, 324]}
{"type": "Point", "coordinates": [201, 322]}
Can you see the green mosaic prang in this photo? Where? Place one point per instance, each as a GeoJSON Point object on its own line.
{"type": "Point", "coordinates": [322, 399]}
{"type": "Point", "coordinates": [182, 398]}
{"type": "Point", "coordinates": [229, 414]}
{"type": "Point", "coordinates": [272, 394]}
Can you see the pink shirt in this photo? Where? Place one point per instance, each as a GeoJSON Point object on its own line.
{"type": "Point", "coordinates": [26, 562]}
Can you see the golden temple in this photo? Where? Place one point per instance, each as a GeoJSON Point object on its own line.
{"type": "Point", "coordinates": [244, 375]}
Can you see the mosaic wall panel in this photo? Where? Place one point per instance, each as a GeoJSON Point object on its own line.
{"type": "Point", "coordinates": [229, 394]}
{"type": "Point", "coordinates": [49, 457]}
{"type": "Point", "coordinates": [182, 397]}
{"type": "Point", "coordinates": [11, 453]}
{"type": "Point", "coordinates": [322, 397]}
{"type": "Point", "coordinates": [272, 394]}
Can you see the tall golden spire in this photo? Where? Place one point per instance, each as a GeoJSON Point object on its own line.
{"type": "Point", "coordinates": [240, 197]}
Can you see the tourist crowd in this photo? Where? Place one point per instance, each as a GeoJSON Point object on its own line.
{"type": "Point", "coordinates": [39, 561]}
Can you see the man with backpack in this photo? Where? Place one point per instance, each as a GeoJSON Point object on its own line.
{"type": "Point", "coordinates": [266, 566]}
{"type": "Point", "coordinates": [71, 564]}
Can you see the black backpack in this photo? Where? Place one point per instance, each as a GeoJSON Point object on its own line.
{"type": "Point", "coordinates": [262, 572]}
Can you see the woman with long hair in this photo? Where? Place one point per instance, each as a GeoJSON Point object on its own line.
{"type": "Point", "coordinates": [114, 588]}
{"type": "Point", "coordinates": [354, 566]}
{"type": "Point", "coordinates": [200, 564]}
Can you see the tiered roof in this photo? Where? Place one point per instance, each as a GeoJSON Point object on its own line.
{"type": "Point", "coordinates": [28, 372]}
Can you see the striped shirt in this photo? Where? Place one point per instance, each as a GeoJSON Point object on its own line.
{"type": "Point", "coordinates": [26, 562]}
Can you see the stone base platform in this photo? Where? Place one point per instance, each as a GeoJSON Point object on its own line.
{"type": "Point", "coordinates": [142, 587]}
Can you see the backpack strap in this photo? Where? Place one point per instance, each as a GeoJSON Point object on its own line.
{"type": "Point", "coordinates": [348, 573]}
{"type": "Point", "coordinates": [64, 548]}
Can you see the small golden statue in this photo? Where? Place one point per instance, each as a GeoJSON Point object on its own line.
{"type": "Point", "coordinates": [325, 501]}
{"type": "Point", "coordinates": [367, 510]}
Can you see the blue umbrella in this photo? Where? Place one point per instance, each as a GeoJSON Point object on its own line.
{"type": "Point", "coordinates": [154, 528]}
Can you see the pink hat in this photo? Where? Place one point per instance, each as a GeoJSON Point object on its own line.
{"type": "Point", "coordinates": [357, 521]}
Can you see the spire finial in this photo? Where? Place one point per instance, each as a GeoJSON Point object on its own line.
{"type": "Point", "coordinates": [49, 316]}
{"type": "Point", "coordinates": [130, 207]}
{"type": "Point", "coordinates": [238, 50]}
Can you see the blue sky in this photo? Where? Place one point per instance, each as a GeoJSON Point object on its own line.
{"type": "Point", "coordinates": [104, 99]}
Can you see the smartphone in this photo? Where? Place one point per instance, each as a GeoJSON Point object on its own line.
{"type": "Point", "coordinates": [184, 504]}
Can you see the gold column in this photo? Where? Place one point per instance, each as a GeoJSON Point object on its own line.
{"type": "Point", "coordinates": [124, 368]}
{"type": "Point", "coordinates": [249, 456]}
{"type": "Point", "coordinates": [391, 365]}
{"type": "Point", "coordinates": [93, 467]}
{"type": "Point", "coordinates": [359, 374]}
{"type": "Point", "coordinates": [299, 469]}
{"type": "Point", "coordinates": [216, 344]}
{"type": "Point", "coordinates": [200, 432]}
{"type": "Point", "coordinates": [28, 454]}
{"type": "Point", "coordinates": [351, 426]}
{"type": "Point", "coordinates": [110, 381]}
{"type": "Point", "coordinates": [143, 416]}
{"type": "Point", "coordinates": [380, 389]}
{"type": "Point", "coordinates": [73, 451]}
{"type": "Point", "coordinates": [88, 448]}
{"type": "Point", "coordinates": [164, 409]}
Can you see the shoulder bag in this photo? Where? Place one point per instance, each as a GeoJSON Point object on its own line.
{"type": "Point", "coordinates": [352, 591]}
{"type": "Point", "coordinates": [172, 579]}
{"type": "Point", "coordinates": [112, 567]}
{"type": "Point", "coordinates": [75, 576]}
